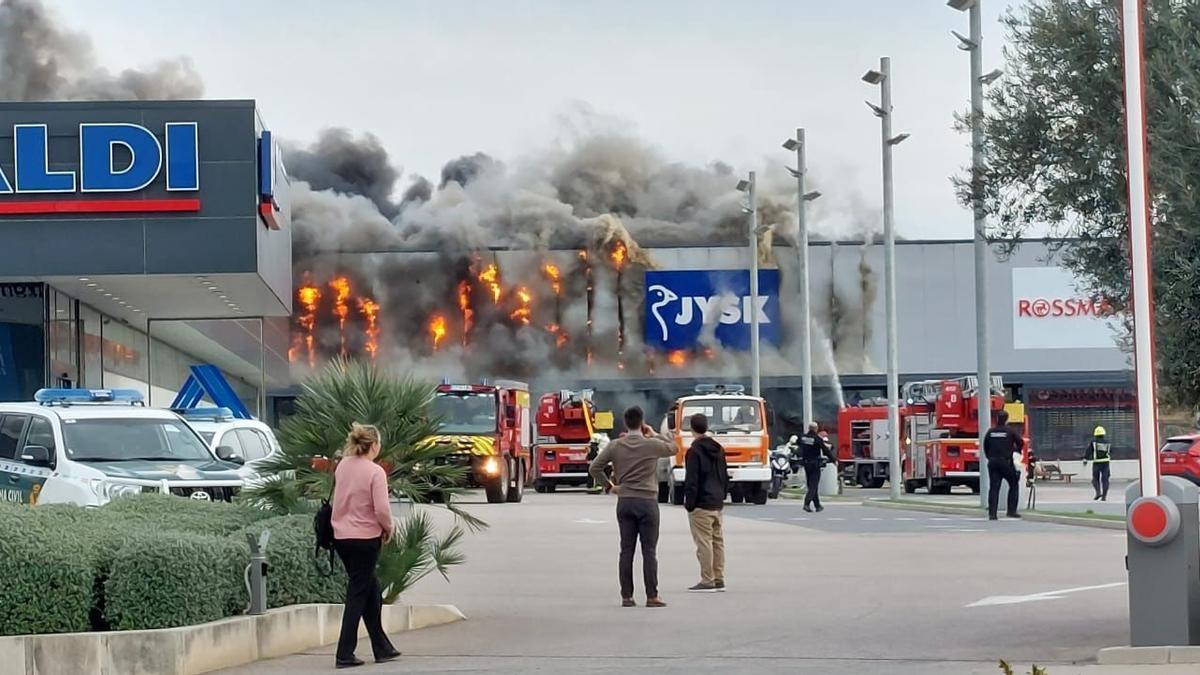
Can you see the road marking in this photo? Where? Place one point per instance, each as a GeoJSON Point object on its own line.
{"type": "Point", "coordinates": [965, 529]}
{"type": "Point", "coordinates": [992, 600]}
{"type": "Point", "coordinates": [940, 518]}
{"type": "Point", "coordinates": [904, 519]}
{"type": "Point", "coordinates": [589, 521]}
{"type": "Point", "coordinates": [766, 518]}
{"type": "Point", "coordinates": [940, 527]}
{"type": "Point", "coordinates": [799, 518]}
{"type": "Point", "coordinates": [871, 519]}
{"type": "Point", "coordinates": [835, 518]}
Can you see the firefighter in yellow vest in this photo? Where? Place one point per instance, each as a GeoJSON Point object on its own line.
{"type": "Point", "coordinates": [1099, 453]}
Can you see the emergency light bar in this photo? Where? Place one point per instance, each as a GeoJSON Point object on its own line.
{"type": "Point", "coordinates": [69, 396]}
{"type": "Point", "coordinates": [206, 414]}
{"type": "Point", "coordinates": [720, 389]}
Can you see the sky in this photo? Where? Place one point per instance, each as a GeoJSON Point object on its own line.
{"type": "Point", "coordinates": [699, 80]}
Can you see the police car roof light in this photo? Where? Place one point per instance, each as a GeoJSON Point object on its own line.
{"type": "Point", "coordinates": [68, 396]}
{"type": "Point", "coordinates": [213, 414]}
{"type": "Point", "coordinates": [720, 389]}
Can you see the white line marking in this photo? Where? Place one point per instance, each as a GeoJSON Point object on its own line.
{"type": "Point", "coordinates": [904, 519]}
{"type": "Point", "coordinates": [589, 521]}
{"type": "Point", "coordinates": [965, 529]}
{"type": "Point", "coordinates": [799, 518]}
{"type": "Point", "coordinates": [871, 519]}
{"type": "Point", "coordinates": [1036, 597]}
{"type": "Point", "coordinates": [941, 518]}
{"type": "Point", "coordinates": [766, 519]}
{"type": "Point", "coordinates": [835, 519]}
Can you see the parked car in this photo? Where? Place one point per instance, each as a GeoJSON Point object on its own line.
{"type": "Point", "coordinates": [1180, 456]}
{"type": "Point", "coordinates": [251, 441]}
{"type": "Point", "coordinates": [89, 446]}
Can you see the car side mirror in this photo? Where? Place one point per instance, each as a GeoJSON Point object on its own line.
{"type": "Point", "coordinates": [770, 417]}
{"type": "Point", "coordinates": [228, 454]}
{"type": "Point", "coordinates": [37, 455]}
{"type": "Point", "coordinates": [671, 421]}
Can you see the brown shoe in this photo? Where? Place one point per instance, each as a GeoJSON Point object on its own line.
{"type": "Point", "coordinates": [655, 602]}
{"type": "Point", "coordinates": [628, 602]}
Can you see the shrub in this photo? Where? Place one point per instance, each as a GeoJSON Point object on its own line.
{"type": "Point", "coordinates": [45, 589]}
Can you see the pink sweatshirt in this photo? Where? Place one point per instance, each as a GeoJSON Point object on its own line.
{"type": "Point", "coordinates": [360, 500]}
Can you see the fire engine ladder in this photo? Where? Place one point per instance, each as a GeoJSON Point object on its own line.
{"type": "Point", "coordinates": [970, 385]}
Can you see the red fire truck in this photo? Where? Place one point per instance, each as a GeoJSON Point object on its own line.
{"type": "Point", "coordinates": [489, 427]}
{"type": "Point", "coordinates": [568, 435]}
{"type": "Point", "coordinates": [939, 432]}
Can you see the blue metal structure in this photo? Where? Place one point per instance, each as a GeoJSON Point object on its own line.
{"type": "Point", "coordinates": [207, 380]}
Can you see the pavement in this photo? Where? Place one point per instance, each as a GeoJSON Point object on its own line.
{"type": "Point", "coordinates": [851, 590]}
{"type": "Point", "coordinates": [1052, 497]}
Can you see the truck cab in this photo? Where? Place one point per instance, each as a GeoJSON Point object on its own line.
{"type": "Point", "coordinates": [488, 426]}
{"type": "Point", "coordinates": [570, 432]}
{"type": "Point", "coordinates": [740, 423]}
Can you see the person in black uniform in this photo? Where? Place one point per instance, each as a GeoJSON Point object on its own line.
{"type": "Point", "coordinates": [813, 449]}
{"type": "Point", "coordinates": [999, 445]}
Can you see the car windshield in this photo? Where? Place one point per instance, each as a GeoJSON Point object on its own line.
{"type": "Point", "coordinates": [726, 415]}
{"type": "Point", "coordinates": [465, 413]}
{"type": "Point", "coordinates": [1177, 445]}
{"type": "Point", "coordinates": [128, 439]}
{"type": "Point", "coordinates": [207, 436]}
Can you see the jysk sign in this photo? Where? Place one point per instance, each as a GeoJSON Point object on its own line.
{"type": "Point", "coordinates": [683, 306]}
{"type": "Point", "coordinates": [113, 158]}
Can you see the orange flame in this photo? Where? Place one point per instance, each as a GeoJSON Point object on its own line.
{"type": "Point", "coordinates": [308, 295]}
{"type": "Point", "coordinates": [619, 254]}
{"type": "Point", "coordinates": [560, 335]}
{"type": "Point", "coordinates": [491, 277]}
{"type": "Point", "coordinates": [341, 285]}
{"type": "Point", "coordinates": [464, 305]}
{"type": "Point", "coordinates": [523, 312]}
{"type": "Point", "coordinates": [552, 273]}
{"type": "Point", "coordinates": [370, 310]}
{"type": "Point", "coordinates": [437, 330]}
{"type": "Point", "coordinates": [677, 357]}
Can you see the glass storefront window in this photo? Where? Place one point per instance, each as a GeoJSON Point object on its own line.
{"type": "Point", "coordinates": [91, 347]}
{"type": "Point", "coordinates": [22, 340]}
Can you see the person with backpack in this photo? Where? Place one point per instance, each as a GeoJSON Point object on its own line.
{"type": "Point", "coordinates": [362, 524]}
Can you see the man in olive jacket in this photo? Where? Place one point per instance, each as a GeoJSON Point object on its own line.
{"type": "Point", "coordinates": [705, 484]}
{"type": "Point", "coordinates": [634, 458]}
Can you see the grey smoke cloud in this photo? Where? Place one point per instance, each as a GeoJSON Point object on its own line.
{"type": "Point", "coordinates": [340, 162]}
{"type": "Point", "coordinates": [41, 60]}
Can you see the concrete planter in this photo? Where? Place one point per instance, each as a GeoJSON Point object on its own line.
{"type": "Point", "coordinates": [203, 648]}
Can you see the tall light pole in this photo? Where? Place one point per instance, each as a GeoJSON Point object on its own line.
{"type": "Point", "coordinates": [973, 45]}
{"type": "Point", "coordinates": [751, 209]}
{"type": "Point", "coordinates": [883, 111]}
{"type": "Point", "coordinates": [803, 198]}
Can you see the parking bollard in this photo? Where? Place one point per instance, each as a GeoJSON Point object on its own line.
{"type": "Point", "coordinates": [257, 572]}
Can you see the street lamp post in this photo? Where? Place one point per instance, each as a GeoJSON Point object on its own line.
{"type": "Point", "coordinates": [973, 45]}
{"type": "Point", "coordinates": [883, 111]}
{"type": "Point", "coordinates": [751, 209]}
{"type": "Point", "coordinates": [803, 198]}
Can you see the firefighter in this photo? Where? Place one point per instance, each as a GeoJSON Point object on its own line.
{"type": "Point", "coordinates": [998, 446]}
{"type": "Point", "coordinates": [1099, 453]}
{"type": "Point", "coordinates": [813, 451]}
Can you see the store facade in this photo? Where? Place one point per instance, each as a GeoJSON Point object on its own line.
{"type": "Point", "coordinates": [138, 239]}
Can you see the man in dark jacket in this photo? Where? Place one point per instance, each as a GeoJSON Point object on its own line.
{"type": "Point", "coordinates": [998, 446]}
{"type": "Point", "coordinates": [813, 449]}
{"type": "Point", "coordinates": [706, 480]}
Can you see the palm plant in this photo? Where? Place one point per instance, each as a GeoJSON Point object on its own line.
{"type": "Point", "coordinates": [343, 393]}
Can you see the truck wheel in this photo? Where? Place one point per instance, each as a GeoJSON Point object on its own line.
{"type": "Point", "coordinates": [865, 476]}
{"type": "Point", "coordinates": [496, 487]}
{"type": "Point", "coordinates": [910, 486]}
{"type": "Point", "coordinates": [758, 493]}
{"type": "Point", "coordinates": [540, 487]}
{"type": "Point", "coordinates": [664, 493]}
{"type": "Point", "coordinates": [974, 485]}
{"type": "Point", "coordinates": [517, 490]}
{"type": "Point", "coordinates": [677, 494]}
{"type": "Point", "coordinates": [877, 483]}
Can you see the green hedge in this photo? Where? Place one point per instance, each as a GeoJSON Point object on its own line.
{"type": "Point", "coordinates": [146, 562]}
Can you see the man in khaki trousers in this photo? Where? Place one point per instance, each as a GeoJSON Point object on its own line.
{"type": "Point", "coordinates": [706, 481]}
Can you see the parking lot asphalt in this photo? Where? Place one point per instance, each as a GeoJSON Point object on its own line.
{"type": "Point", "coordinates": [851, 590]}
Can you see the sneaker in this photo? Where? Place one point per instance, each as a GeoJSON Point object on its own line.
{"type": "Point", "coordinates": [352, 662]}
{"type": "Point", "coordinates": [992, 516]}
{"type": "Point", "coordinates": [808, 508]}
{"type": "Point", "coordinates": [703, 587]}
{"type": "Point", "coordinates": [1013, 515]}
{"type": "Point", "coordinates": [628, 602]}
{"type": "Point", "coordinates": [390, 656]}
{"type": "Point", "coordinates": [1096, 498]}
{"type": "Point", "coordinates": [655, 602]}
{"type": "Point", "coordinates": [820, 509]}
{"type": "Point", "coordinates": [720, 584]}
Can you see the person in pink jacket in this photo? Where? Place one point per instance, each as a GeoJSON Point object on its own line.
{"type": "Point", "coordinates": [362, 523]}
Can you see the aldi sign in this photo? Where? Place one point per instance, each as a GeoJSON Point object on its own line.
{"type": "Point", "coordinates": [686, 307]}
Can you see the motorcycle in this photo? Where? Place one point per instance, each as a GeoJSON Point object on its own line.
{"type": "Point", "coordinates": [783, 464]}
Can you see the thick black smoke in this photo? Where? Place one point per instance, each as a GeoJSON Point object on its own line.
{"type": "Point", "coordinates": [42, 61]}
{"type": "Point", "coordinates": [467, 168]}
{"type": "Point", "coordinates": [342, 163]}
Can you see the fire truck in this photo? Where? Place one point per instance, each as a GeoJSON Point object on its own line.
{"type": "Point", "coordinates": [489, 428]}
{"type": "Point", "coordinates": [740, 423]}
{"type": "Point", "coordinates": [939, 435]}
{"type": "Point", "coordinates": [568, 436]}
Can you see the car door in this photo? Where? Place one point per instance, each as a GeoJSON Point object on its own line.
{"type": "Point", "coordinates": [254, 445]}
{"type": "Point", "coordinates": [13, 481]}
{"type": "Point", "coordinates": [38, 433]}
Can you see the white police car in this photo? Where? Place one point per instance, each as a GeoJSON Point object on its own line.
{"type": "Point", "coordinates": [250, 441]}
{"type": "Point", "coordinates": [88, 447]}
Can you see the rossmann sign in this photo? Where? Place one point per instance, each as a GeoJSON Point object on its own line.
{"type": "Point", "coordinates": [113, 167]}
{"type": "Point", "coordinates": [1051, 312]}
{"type": "Point", "coordinates": [686, 307]}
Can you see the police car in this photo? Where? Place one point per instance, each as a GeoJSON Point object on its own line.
{"type": "Point", "coordinates": [250, 441]}
{"type": "Point", "coordinates": [88, 447]}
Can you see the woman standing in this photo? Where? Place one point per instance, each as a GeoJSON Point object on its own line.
{"type": "Point", "coordinates": [362, 523]}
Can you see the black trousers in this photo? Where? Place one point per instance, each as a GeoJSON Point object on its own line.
{"type": "Point", "coordinates": [998, 472]}
{"type": "Point", "coordinates": [1100, 474]}
{"type": "Point", "coordinates": [812, 475]}
{"type": "Point", "coordinates": [638, 520]}
{"type": "Point", "coordinates": [364, 601]}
